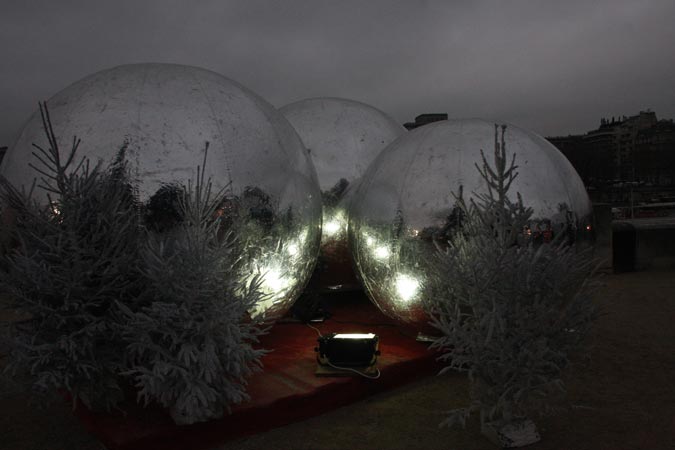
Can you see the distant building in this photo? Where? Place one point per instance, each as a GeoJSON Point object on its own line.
{"type": "Point", "coordinates": [639, 148]}
{"type": "Point", "coordinates": [424, 119]}
{"type": "Point", "coordinates": [654, 156]}
{"type": "Point", "coordinates": [590, 165]}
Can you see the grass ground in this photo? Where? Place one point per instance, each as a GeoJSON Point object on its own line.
{"type": "Point", "coordinates": [624, 398]}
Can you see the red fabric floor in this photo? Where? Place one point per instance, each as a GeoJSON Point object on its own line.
{"type": "Point", "coordinates": [287, 390]}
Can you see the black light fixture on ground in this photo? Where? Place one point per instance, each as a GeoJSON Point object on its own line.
{"type": "Point", "coordinates": [340, 354]}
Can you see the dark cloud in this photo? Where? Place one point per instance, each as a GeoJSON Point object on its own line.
{"type": "Point", "coordinates": [555, 67]}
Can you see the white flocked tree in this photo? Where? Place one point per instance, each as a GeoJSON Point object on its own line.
{"type": "Point", "coordinates": [191, 348]}
{"type": "Point", "coordinates": [108, 301]}
{"type": "Point", "coordinates": [511, 311]}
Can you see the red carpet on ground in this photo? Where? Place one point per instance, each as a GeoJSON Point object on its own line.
{"type": "Point", "coordinates": [287, 390]}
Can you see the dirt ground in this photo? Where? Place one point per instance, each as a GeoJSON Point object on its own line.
{"type": "Point", "coordinates": [623, 399]}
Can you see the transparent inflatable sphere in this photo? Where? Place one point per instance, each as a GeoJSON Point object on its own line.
{"type": "Point", "coordinates": [343, 137]}
{"type": "Point", "coordinates": [405, 200]}
{"type": "Point", "coordinates": [165, 114]}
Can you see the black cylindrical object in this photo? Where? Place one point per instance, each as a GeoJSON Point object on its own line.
{"type": "Point", "coordinates": [624, 247]}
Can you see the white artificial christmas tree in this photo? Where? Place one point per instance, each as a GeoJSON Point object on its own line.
{"type": "Point", "coordinates": [110, 300]}
{"type": "Point", "coordinates": [511, 311]}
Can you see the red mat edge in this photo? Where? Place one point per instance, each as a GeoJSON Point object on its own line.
{"type": "Point", "coordinates": [248, 422]}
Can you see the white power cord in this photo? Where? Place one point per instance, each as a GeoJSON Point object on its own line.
{"type": "Point", "coordinates": [315, 329]}
{"type": "Point", "coordinates": [364, 375]}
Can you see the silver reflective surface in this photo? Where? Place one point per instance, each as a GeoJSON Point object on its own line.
{"type": "Point", "coordinates": [166, 113]}
{"type": "Point", "coordinates": [404, 202]}
{"type": "Point", "coordinates": [343, 137]}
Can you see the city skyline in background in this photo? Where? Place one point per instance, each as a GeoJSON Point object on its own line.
{"type": "Point", "coordinates": [552, 67]}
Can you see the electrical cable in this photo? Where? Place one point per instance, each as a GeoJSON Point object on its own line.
{"type": "Point", "coordinates": [364, 375]}
{"type": "Point", "coordinates": [315, 329]}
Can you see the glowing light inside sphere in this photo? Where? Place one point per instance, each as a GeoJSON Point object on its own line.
{"type": "Point", "coordinates": [293, 249]}
{"type": "Point", "coordinates": [274, 280]}
{"type": "Point", "coordinates": [343, 137]}
{"type": "Point", "coordinates": [165, 114]}
{"type": "Point", "coordinates": [407, 287]}
{"type": "Point", "coordinates": [404, 209]}
{"type": "Point", "coordinates": [381, 252]}
{"type": "Point", "coordinates": [335, 225]}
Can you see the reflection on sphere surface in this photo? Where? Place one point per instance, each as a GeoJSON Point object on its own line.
{"type": "Point", "coordinates": [405, 201]}
{"type": "Point", "coordinates": [343, 137]}
{"type": "Point", "coordinates": [166, 113]}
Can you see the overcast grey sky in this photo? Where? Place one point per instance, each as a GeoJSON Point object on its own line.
{"type": "Point", "coordinates": [554, 67]}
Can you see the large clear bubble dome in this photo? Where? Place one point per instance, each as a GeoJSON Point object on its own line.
{"type": "Point", "coordinates": [343, 137]}
{"type": "Point", "coordinates": [165, 114]}
{"type": "Point", "coordinates": [406, 200]}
